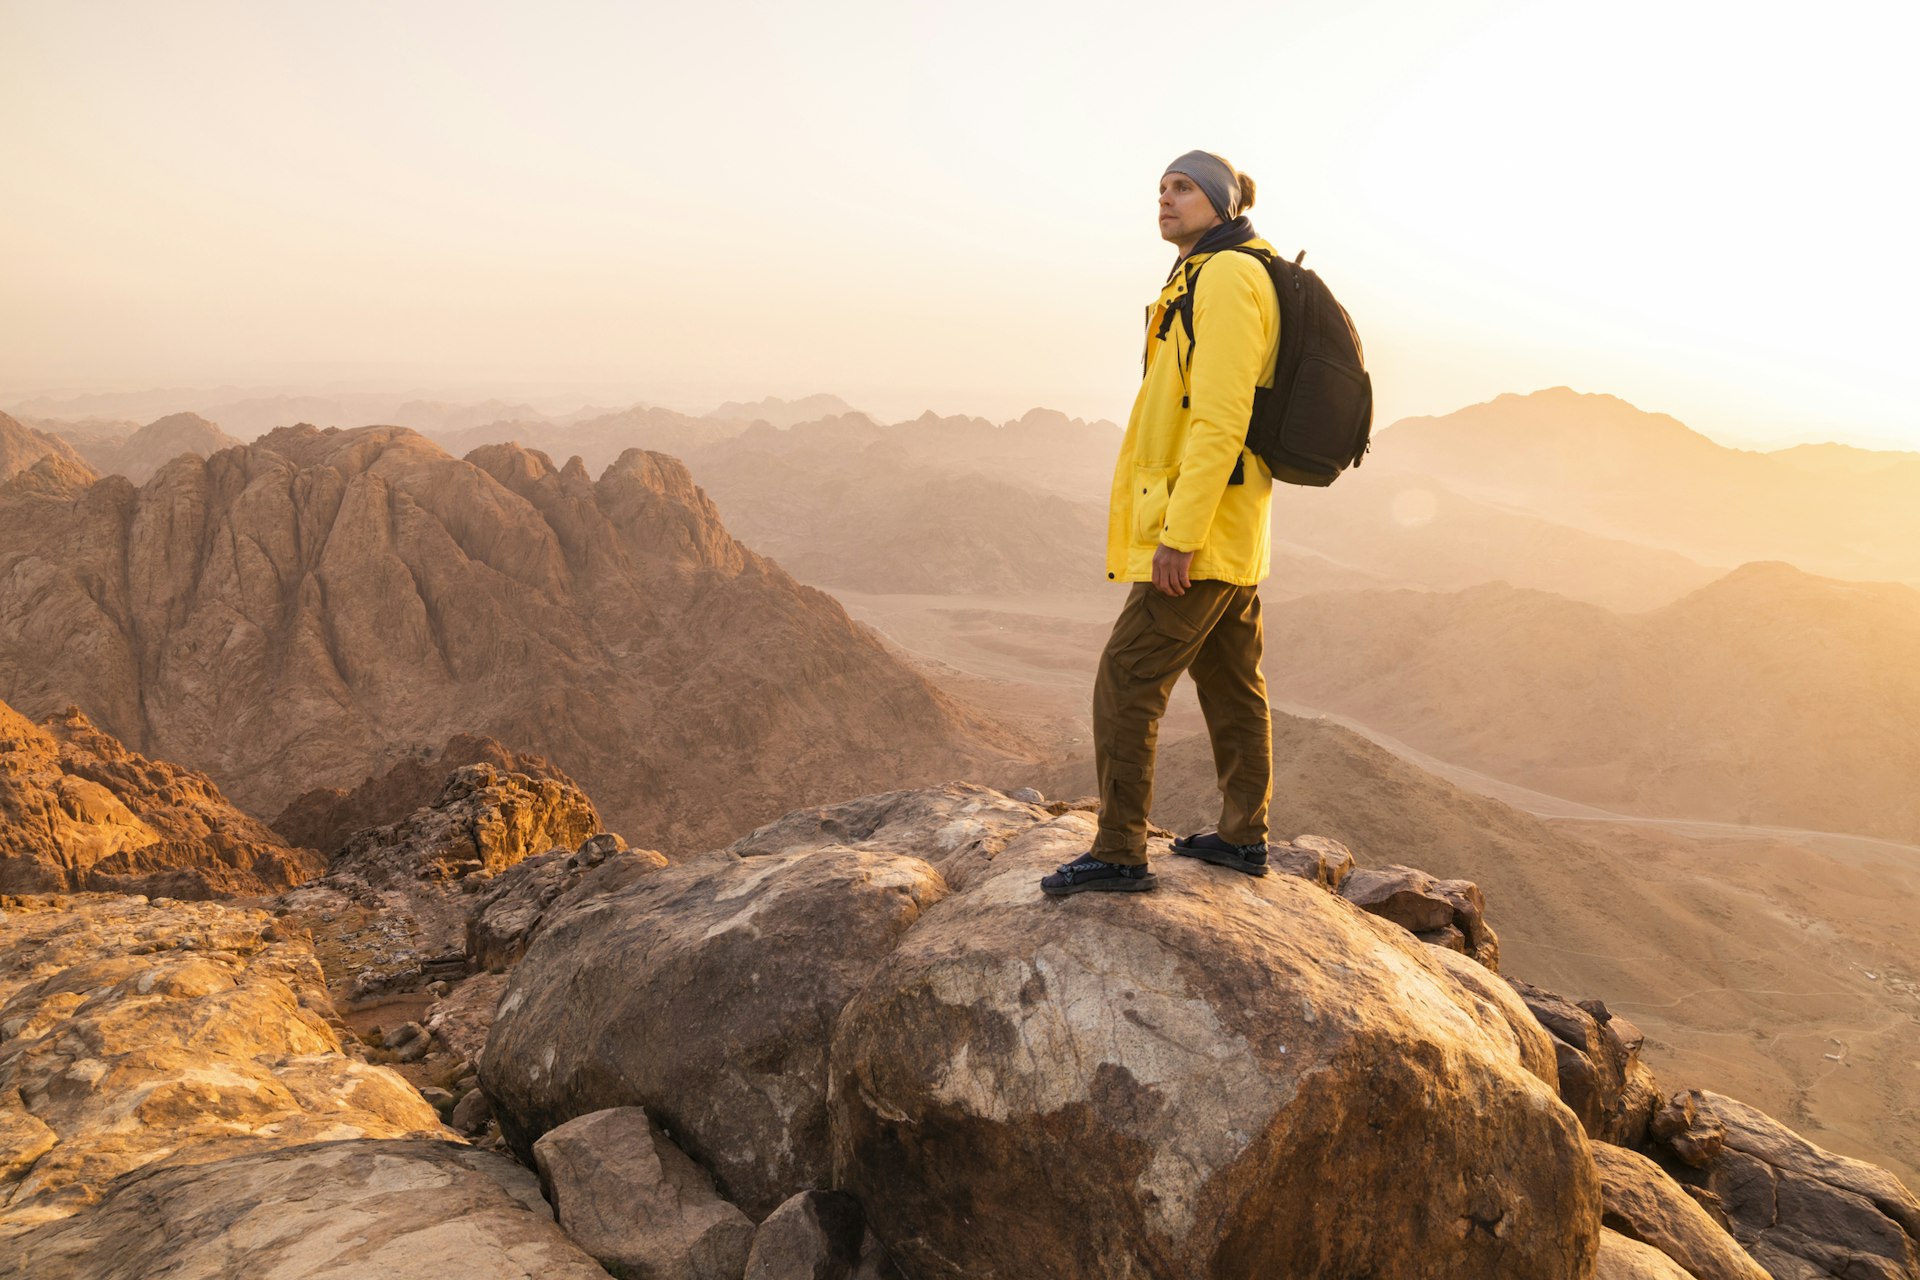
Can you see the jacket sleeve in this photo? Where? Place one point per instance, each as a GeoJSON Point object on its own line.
{"type": "Point", "coordinates": [1230, 346]}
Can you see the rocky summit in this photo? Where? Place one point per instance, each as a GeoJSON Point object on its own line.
{"type": "Point", "coordinates": [308, 609]}
{"type": "Point", "coordinates": [859, 1044]}
{"type": "Point", "coordinates": [80, 811]}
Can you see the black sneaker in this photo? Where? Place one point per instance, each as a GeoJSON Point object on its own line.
{"type": "Point", "coordinates": [1087, 872]}
{"type": "Point", "coordinates": [1209, 847]}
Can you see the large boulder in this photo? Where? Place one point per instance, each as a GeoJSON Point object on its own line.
{"type": "Point", "coordinates": [707, 993]}
{"type": "Point", "coordinates": [1227, 1078]}
{"type": "Point", "coordinates": [508, 913]}
{"type": "Point", "coordinates": [395, 1209]}
{"type": "Point", "coordinates": [1644, 1204]}
{"type": "Point", "coordinates": [957, 827]}
{"type": "Point", "coordinates": [1801, 1211]}
{"type": "Point", "coordinates": [633, 1200]}
{"type": "Point", "coordinates": [131, 1030]}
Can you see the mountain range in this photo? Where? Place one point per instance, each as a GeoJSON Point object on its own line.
{"type": "Point", "coordinates": [304, 610]}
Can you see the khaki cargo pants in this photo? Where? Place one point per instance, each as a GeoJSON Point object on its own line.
{"type": "Point", "coordinates": [1212, 632]}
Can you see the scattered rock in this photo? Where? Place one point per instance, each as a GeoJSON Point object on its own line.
{"type": "Point", "coordinates": [816, 1235]}
{"type": "Point", "coordinates": [1601, 1075]}
{"type": "Point", "coordinates": [471, 1113]}
{"type": "Point", "coordinates": [396, 1209]}
{"type": "Point", "coordinates": [1185, 1082]}
{"type": "Point", "coordinates": [705, 992]}
{"type": "Point", "coordinates": [460, 1022]}
{"type": "Point", "coordinates": [1644, 1204]}
{"type": "Point", "coordinates": [1452, 909]}
{"type": "Point", "coordinates": [439, 1099]}
{"type": "Point", "coordinates": [633, 1200]}
{"type": "Point", "coordinates": [1026, 795]}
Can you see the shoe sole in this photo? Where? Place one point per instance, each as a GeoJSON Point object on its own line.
{"type": "Point", "coordinates": [1112, 884]}
{"type": "Point", "coordinates": [1233, 861]}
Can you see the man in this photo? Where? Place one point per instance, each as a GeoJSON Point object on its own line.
{"type": "Point", "coordinates": [1188, 526]}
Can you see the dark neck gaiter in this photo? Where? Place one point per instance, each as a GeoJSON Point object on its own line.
{"type": "Point", "coordinates": [1224, 236]}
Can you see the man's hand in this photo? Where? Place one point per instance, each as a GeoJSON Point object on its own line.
{"type": "Point", "coordinates": [1170, 570]}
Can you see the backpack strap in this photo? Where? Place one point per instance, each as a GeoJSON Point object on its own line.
{"type": "Point", "coordinates": [1185, 303]}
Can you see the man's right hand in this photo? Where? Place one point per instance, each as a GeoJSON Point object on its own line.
{"type": "Point", "coordinates": [1171, 570]}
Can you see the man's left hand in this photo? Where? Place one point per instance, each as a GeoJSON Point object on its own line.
{"type": "Point", "coordinates": [1170, 570]}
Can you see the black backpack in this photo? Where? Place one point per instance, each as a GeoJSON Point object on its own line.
{"type": "Point", "coordinates": [1316, 419]}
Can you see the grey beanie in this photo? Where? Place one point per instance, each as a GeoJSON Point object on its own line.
{"type": "Point", "coordinates": [1216, 177]}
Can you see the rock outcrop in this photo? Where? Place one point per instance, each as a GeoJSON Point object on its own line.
{"type": "Point", "coordinates": [509, 913]}
{"type": "Point", "coordinates": [80, 811]}
{"type": "Point", "coordinates": [297, 612]}
{"type": "Point", "coordinates": [131, 1032]}
{"type": "Point", "coordinates": [1125, 1086]}
{"type": "Point", "coordinates": [482, 822]}
{"type": "Point", "coordinates": [1799, 1210]}
{"type": "Point", "coordinates": [816, 1235]}
{"type": "Point", "coordinates": [410, 885]}
{"type": "Point", "coordinates": [1446, 913]}
{"type": "Point", "coordinates": [1624, 1258]}
{"type": "Point", "coordinates": [327, 817]}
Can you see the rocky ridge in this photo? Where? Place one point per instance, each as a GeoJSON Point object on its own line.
{"type": "Point", "coordinates": [22, 447]}
{"type": "Point", "coordinates": [80, 811]}
{"type": "Point", "coordinates": [138, 455]}
{"type": "Point", "coordinates": [301, 611]}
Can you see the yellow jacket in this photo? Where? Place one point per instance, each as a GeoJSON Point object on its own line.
{"type": "Point", "coordinates": [1188, 428]}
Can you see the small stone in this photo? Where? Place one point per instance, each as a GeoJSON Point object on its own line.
{"type": "Point", "coordinates": [438, 989]}
{"type": "Point", "coordinates": [472, 1112]}
{"type": "Point", "coordinates": [815, 1235]}
{"type": "Point", "coordinates": [439, 1099]}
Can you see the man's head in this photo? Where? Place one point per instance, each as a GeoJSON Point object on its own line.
{"type": "Point", "coordinates": [1199, 191]}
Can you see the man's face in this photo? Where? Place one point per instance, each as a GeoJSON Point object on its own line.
{"type": "Point", "coordinates": [1185, 211]}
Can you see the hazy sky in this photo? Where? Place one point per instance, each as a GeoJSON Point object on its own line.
{"type": "Point", "coordinates": [1704, 208]}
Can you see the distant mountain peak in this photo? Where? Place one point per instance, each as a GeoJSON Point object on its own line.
{"type": "Point", "coordinates": [782, 413]}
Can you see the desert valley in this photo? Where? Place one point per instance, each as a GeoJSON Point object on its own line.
{"type": "Point", "coordinates": [468, 820]}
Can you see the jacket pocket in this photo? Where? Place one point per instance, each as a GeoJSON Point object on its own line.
{"type": "Point", "coordinates": [1152, 487]}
